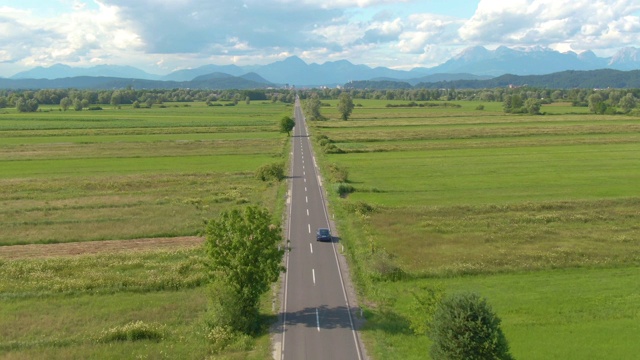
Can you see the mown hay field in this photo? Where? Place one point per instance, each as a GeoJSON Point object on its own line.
{"type": "Point", "coordinates": [512, 206]}
{"type": "Point", "coordinates": [131, 173]}
{"type": "Point", "coordinates": [101, 215]}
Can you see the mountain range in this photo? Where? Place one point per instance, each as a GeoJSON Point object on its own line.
{"type": "Point", "coordinates": [474, 63]}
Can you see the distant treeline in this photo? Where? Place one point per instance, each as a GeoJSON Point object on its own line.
{"type": "Point", "coordinates": [578, 97]}
{"type": "Point", "coordinates": [525, 99]}
{"type": "Point", "coordinates": [608, 99]}
{"type": "Point", "coordinates": [29, 100]}
{"type": "Point", "coordinates": [604, 78]}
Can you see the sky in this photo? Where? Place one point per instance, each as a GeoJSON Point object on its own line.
{"type": "Point", "coordinates": [161, 36]}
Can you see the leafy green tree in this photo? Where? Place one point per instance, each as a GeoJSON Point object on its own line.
{"type": "Point", "coordinates": [23, 105]}
{"type": "Point", "coordinates": [287, 124]}
{"type": "Point", "coordinates": [627, 102]}
{"type": "Point", "coordinates": [77, 105]}
{"type": "Point", "coordinates": [533, 106]}
{"type": "Point", "coordinates": [312, 107]}
{"type": "Point", "coordinates": [273, 171]}
{"type": "Point", "coordinates": [244, 253]}
{"type": "Point", "coordinates": [116, 98]}
{"type": "Point", "coordinates": [596, 103]}
{"type": "Point", "coordinates": [345, 106]}
{"type": "Point", "coordinates": [65, 103]}
{"type": "Point", "coordinates": [506, 103]}
{"type": "Point", "coordinates": [465, 327]}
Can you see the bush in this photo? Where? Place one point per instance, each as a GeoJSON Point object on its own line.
{"type": "Point", "coordinates": [220, 337]}
{"type": "Point", "coordinates": [424, 305]}
{"type": "Point", "coordinates": [465, 327]}
{"type": "Point", "coordinates": [332, 149]}
{"type": "Point", "coordinates": [133, 331]}
{"type": "Point", "coordinates": [383, 266]}
{"type": "Point", "coordinates": [359, 208]}
{"type": "Point", "coordinates": [344, 189]}
{"type": "Point", "coordinates": [273, 171]}
{"type": "Point", "coordinates": [224, 310]}
{"type": "Point", "coordinates": [338, 173]}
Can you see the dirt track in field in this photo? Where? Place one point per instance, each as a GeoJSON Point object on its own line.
{"type": "Point", "coordinates": [96, 247]}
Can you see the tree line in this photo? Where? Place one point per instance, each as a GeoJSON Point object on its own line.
{"type": "Point", "coordinates": [29, 100]}
{"type": "Point", "coordinates": [514, 100]}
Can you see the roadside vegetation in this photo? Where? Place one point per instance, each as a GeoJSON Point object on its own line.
{"type": "Point", "coordinates": [122, 174]}
{"type": "Point", "coordinates": [537, 214]}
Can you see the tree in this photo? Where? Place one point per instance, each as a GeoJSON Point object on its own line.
{"type": "Point", "coordinates": [273, 171]}
{"type": "Point", "coordinates": [506, 103]}
{"type": "Point", "coordinates": [23, 105]}
{"type": "Point", "coordinates": [312, 107]}
{"type": "Point", "coordinates": [345, 106]}
{"type": "Point", "coordinates": [287, 124]}
{"type": "Point", "coordinates": [596, 103]}
{"type": "Point", "coordinates": [77, 105]}
{"type": "Point", "coordinates": [465, 327]}
{"type": "Point", "coordinates": [65, 103]}
{"type": "Point", "coordinates": [243, 252]}
{"type": "Point", "coordinates": [627, 102]}
{"type": "Point", "coordinates": [116, 98]}
{"type": "Point", "coordinates": [533, 106]}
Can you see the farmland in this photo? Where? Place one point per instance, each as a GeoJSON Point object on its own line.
{"type": "Point", "coordinates": [102, 215]}
{"type": "Point", "coordinates": [536, 213]}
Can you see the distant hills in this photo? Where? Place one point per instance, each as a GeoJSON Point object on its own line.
{"type": "Point", "coordinates": [473, 65]}
{"type": "Point", "coordinates": [570, 79]}
{"type": "Point", "coordinates": [209, 81]}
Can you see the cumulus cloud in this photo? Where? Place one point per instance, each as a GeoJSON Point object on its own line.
{"type": "Point", "coordinates": [190, 26]}
{"type": "Point", "coordinates": [584, 24]}
{"type": "Point", "coordinates": [383, 31]}
{"type": "Point", "coordinates": [168, 34]}
{"type": "Point", "coordinates": [77, 36]}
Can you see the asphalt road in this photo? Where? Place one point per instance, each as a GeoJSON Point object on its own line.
{"type": "Point", "coordinates": [317, 321]}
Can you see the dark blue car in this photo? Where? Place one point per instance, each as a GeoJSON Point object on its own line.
{"type": "Point", "coordinates": [323, 235]}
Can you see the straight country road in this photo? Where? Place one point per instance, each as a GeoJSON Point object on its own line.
{"type": "Point", "coordinates": [317, 318]}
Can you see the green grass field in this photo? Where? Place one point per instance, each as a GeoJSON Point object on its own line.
{"type": "Point", "coordinates": [121, 174]}
{"type": "Point", "coordinates": [129, 173]}
{"type": "Point", "coordinates": [536, 213]}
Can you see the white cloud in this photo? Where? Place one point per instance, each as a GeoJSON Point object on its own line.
{"type": "Point", "coordinates": [585, 24]}
{"type": "Point", "coordinates": [78, 36]}
{"type": "Point", "coordinates": [162, 35]}
{"type": "Point", "coordinates": [342, 35]}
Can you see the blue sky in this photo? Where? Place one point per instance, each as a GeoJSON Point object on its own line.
{"type": "Point", "coordinates": [160, 36]}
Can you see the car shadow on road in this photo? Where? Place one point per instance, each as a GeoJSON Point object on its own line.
{"type": "Point", "coordinates": [322, 317]}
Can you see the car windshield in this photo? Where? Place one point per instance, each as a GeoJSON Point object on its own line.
{"type": "Point", "coordinates": [323, 232]}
